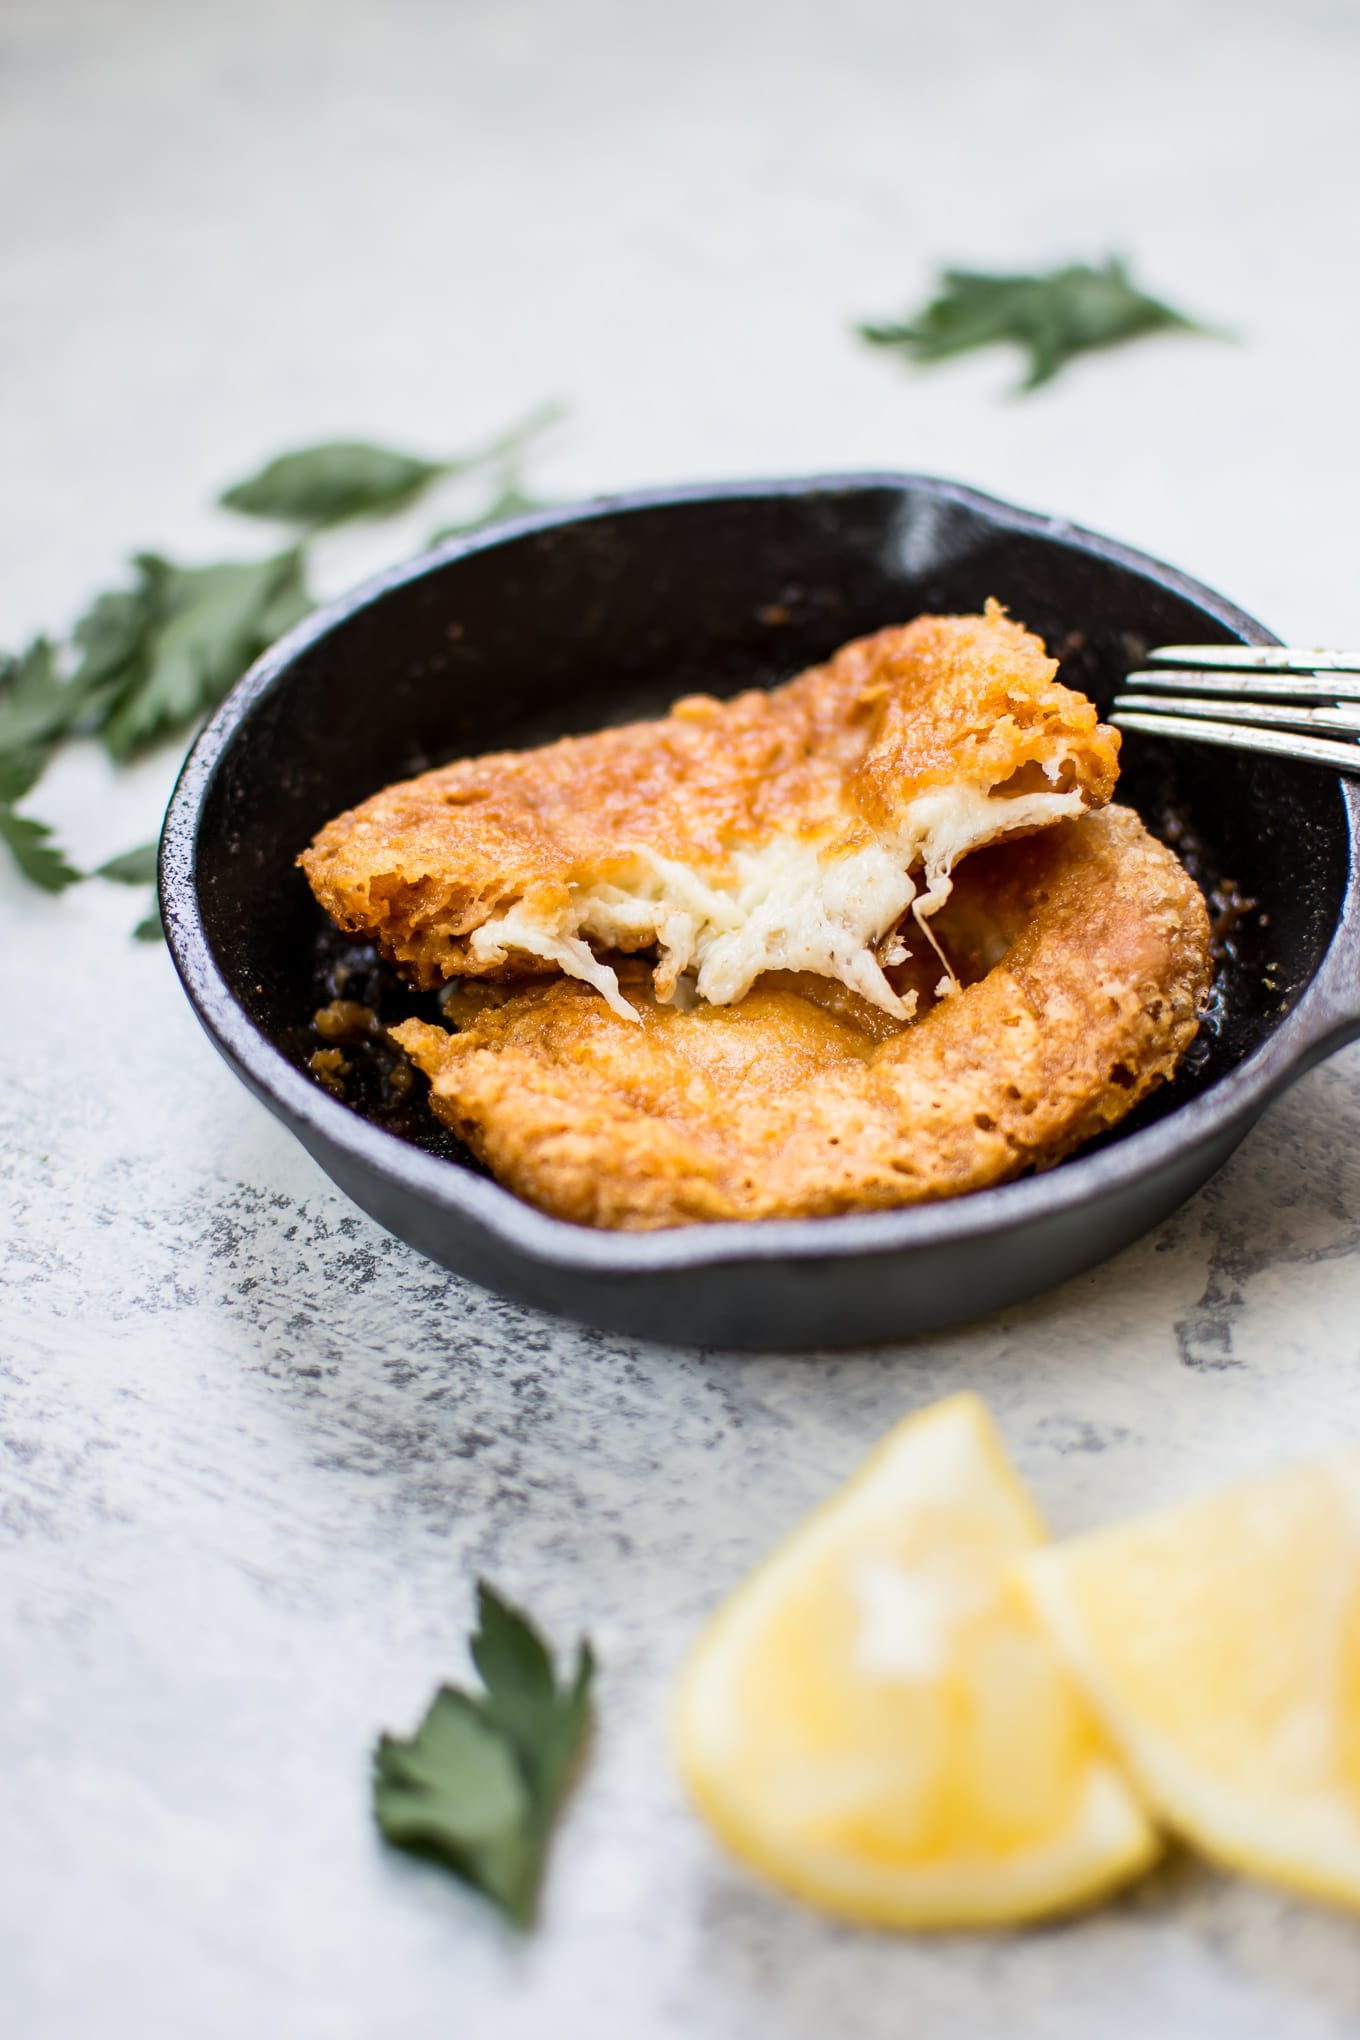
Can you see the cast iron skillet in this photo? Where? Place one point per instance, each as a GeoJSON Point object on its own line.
{"type": "Point", "coordinates": [570, 619]}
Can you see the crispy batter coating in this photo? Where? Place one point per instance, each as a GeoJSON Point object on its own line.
{"type": "Point", "coordinates": [1088, 949]}
{"type": "Point", "coordinates": [774, 830]}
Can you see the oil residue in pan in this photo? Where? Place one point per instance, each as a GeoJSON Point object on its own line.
{"type": "Point", "coordinates": [1229, 907]}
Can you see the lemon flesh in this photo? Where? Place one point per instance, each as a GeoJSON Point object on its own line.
{"type": "Point", "coordinates": [876, 1720]}
{"type": "Point", "coordinates": [1220, 1644]}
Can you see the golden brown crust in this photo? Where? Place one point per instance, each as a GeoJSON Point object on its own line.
{"type": "Point", "coordinates": [833, 756]}
{"type": "Point", "coordinates": [786, 1104]}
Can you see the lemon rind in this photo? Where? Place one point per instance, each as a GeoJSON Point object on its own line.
{"type": "Point", "coordinates": [1109, 1846]}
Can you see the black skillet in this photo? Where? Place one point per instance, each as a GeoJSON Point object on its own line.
{"type": "Point", "coordinates": [574, 618]}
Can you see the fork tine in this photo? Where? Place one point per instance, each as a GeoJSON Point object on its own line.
{"type": "Point", "coordinates": [1237, 737]}
{"type": "Point", "coordinates": [1251, 685]}
{"type": "Point", "coordinates": [1257, 658]}
{"type": "Point", "coordinates": [1279, 714]}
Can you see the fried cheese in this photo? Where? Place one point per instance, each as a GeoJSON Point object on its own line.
{"type": "Point", "coordinates": [1083, 960]}
{"type": "Point", "coordinates": [783, 830]}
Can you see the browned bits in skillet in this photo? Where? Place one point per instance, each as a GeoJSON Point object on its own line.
{"type": "Point", "coordinates": [330, 1069]}
{"type": "Point", "coordinates": [1228, 905]}
{"type": "Point", "coordinates": [345, 1020]}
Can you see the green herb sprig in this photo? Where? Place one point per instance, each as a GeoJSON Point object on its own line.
{"type": "Point", "coordinates": [30, 843]}
{"type": "Point", "coordinates": [148, 660]}
{"type": "Point", "coordinates": [1053, 316]}
{"type": "Point", "coordinates": [479, 1784]}
{"type": "Point", "coordinates": [319, 486]}
{"type": "Point", "coordinates": [138, 867]}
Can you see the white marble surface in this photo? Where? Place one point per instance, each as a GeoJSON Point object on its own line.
{"type": "Point", "coordinates": [252, 1451]}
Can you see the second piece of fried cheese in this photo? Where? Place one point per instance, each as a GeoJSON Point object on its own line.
{"type": "Point", "coordinates": [1082, 955]}
{"type": "Point", "coordinates": [783, 830]}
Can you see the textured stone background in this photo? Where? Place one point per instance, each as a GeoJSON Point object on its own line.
{"type": "Point", "coordinates": [252, 1451]}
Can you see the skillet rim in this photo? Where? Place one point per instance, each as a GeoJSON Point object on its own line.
{"type": "Point", "coordinates": [1323, 1017]}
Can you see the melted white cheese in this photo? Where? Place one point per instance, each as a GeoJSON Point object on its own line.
{"type": "Point", "coordinates": [784, 905]}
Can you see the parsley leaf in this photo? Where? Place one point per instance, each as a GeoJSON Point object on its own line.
{"type": "Point", "coordinates": [138, 867]}
{"type": "Point", "coordinates": [36, 855]}
{"type": "Point", "coordinates": [133, 867]}
{"type": "Point", "coordinates": [325, 484]}
{"type": "Point", "coordinates": [479, 1784]}
{"type": "Point", "coordinates": [1053, 316]}
{"type": "Point", "coordinates": [455, 1792]}
{"type": "Point", "coordinates": [545, 1722]}
{"type": "Point", "coordinates": [343, 478]}
{"type": "Point", "coordinates": [184, 637]}
{"type": "Point", "coordinates": [29, 842]}
{"type": "Point", "coordinates": [33, 851]}
{"type": "Point", "coordinates": [20, 772]}
{"type": "Point", "coordinates": [110, 637]}
{"type": "Point", "coordinates": [36, 704]}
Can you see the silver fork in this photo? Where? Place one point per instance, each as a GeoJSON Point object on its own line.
{"type": "Point", "coordinates": [1250, 698]}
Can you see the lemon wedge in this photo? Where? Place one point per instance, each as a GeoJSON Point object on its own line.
{"type": "Point", "coordinates": [876, 1720]}
{"type": "Point", "coordinates": [1220, 1643]}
